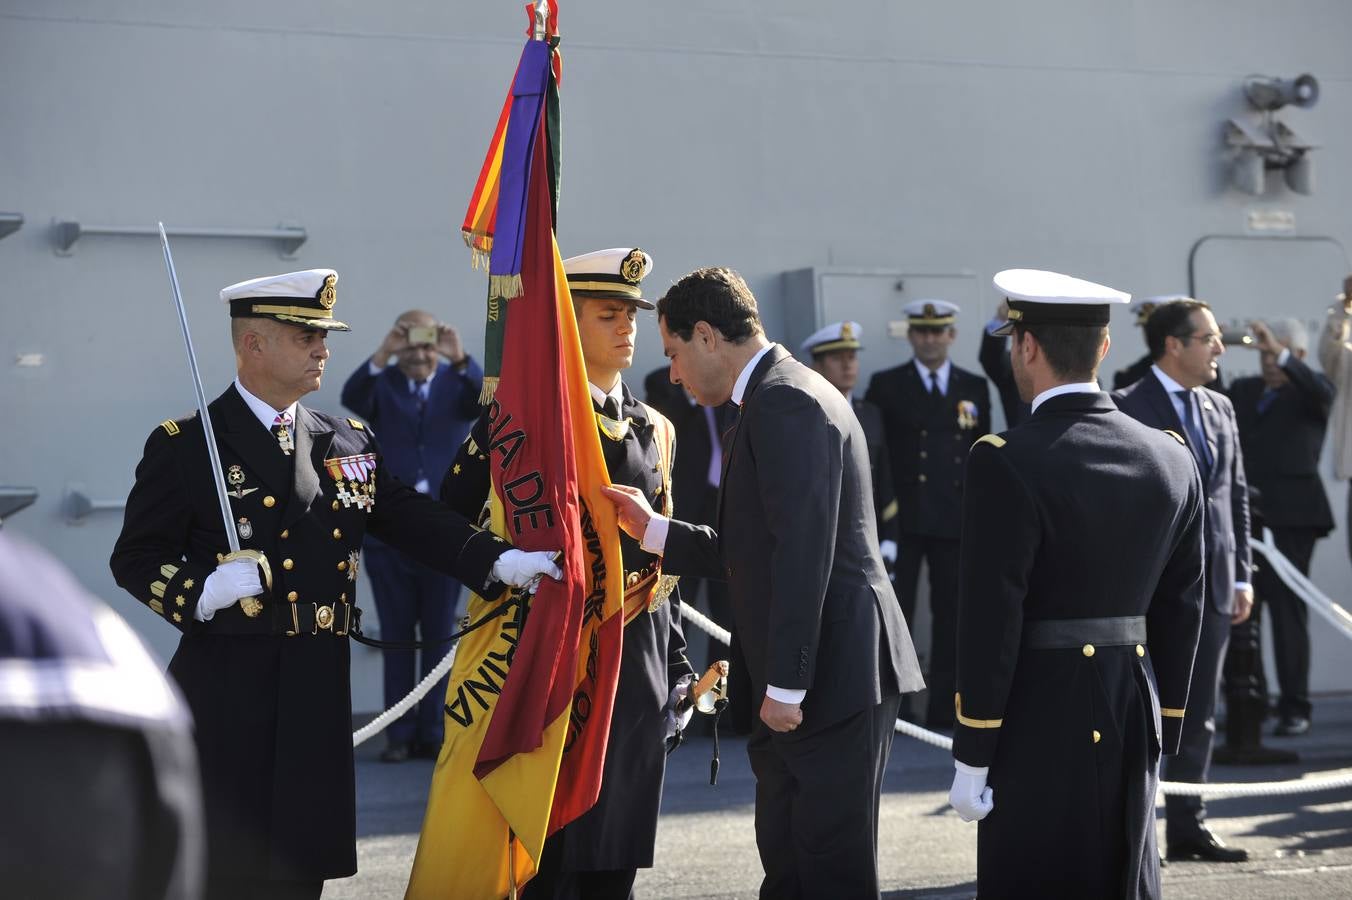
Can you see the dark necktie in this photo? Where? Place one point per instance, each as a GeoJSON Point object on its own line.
{"type": "Point", "coordinates": [612, 408]}
{"type": "Point", "coordinates": [281, 429]}
{"type": "Point", "coordinates": [420, 389]}
{"type": "Point", "coordinates": [1265, 400]}
{"type": "Point", "coordinates": [1196, 439]}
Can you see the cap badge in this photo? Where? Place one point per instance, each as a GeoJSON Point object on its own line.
{"type": "Point", "coordinates": [328, 294]}
{"type": "Point", "coordinates": [631, 270]}
{"type": "Point", "coordinates": [929, 311]}
{"type": "Point", "coordinates": [846, 331]}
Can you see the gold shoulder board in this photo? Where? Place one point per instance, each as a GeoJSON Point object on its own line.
{"type": "Point", "coordinates": [993, 439]}
{"type": "Point", "coordinates": [170, 427]}
{"type": "Point", "coordinates": [1176, 436]}
{"type": "Point", "coordinates": [357, 425]}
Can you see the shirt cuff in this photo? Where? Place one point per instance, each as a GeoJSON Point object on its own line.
{"type": "Point", "coordinates": [373, 368]}
{"type": "Point", "coordinates": [784, 695]}
{"type": "Point", "coordinates": [1243, 586]}
{"type": "Point", "coordinates": [655, 535]}
{"type": "Point", "coordinates": [1283, 356]}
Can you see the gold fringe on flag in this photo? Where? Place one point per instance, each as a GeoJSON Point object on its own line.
{"type": "Point", "coordinates": [506, 286]}
{"type": "Point", "coordinates": [488, 390]}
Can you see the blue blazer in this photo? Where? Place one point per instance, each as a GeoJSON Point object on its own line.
{"type": "Point", "coordinates": [1226, 490]}
{"type": "Point", "coordinates": [414, 446]}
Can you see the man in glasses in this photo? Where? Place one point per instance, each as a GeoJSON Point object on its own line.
{"type": "Point", "coordinates": [1185, 344]}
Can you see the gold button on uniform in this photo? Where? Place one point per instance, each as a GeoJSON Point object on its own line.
{"type": "Point", "coordinates": [1087, 650]}
{"type": "Point", "coordinates": [293, 596]}
{"type": "Point", "coordinates": [342, 565]}
{"type": "Point", "coordinates": [923, 479]}
{"type": "Point", "coordinates": [288, 565]}
{"type": "Point", "coordinates": [924, 455]}
{"type": "Point", "coordinates": [337, 534]}
{"type": "Point", "coordinates": [1140, 651]}
{"type": "Point", "coordinates": [269, 501]}
{"type": "Point", "coordinates": [1097, 737]}
{"type": "Point", "coordinates": [335, 505]}
{"type": "Point", "coordinates": [285, 534]}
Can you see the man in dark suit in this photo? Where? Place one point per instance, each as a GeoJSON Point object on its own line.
{"type": "Point", "coordinates": [1142, 308]}
{"type": "Point", "coordinates": [932, 412]}
{"type": "Point", "coordinates": [422, 408]}
{"type": "Point", "coordinates": [834, 352]}
{"type": "Point", "coordinates": [1185, 344]}
{"type": "Point", "coordinates": [1283, 415]}
{"type": "Point", "coordinates": [824, 638]}
{"type": "Point", "coordinates": [1082, 536]}
{"type": "Point", "coordinates": [263, 662]}
{"type": "Point", "coordinates": [598, 855]}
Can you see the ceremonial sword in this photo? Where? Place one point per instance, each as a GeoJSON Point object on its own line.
{"type": "Point", "coordinates": [209, 431]}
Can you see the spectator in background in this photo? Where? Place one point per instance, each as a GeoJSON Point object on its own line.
{"type": "Point", "coordinates": [1335, 355]}
{"type": "Point", "coordinates": [834, 351]}
{"type": "Point", "coordinates": [421, 407]}
{"type": "Point", "coordinates": [97, 765]}
{"type": "Point", "coordinates": [1282, 416]}
{"type": "Point", "coordinates": [933, 411]}
{"type": "Point", "coordinates": [1142, 308]}
{"type": "Point", "coordinates": [994, 359]}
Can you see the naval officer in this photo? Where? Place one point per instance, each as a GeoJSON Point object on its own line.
{"type": "Point", "coordinates": [263, 658]}
{"type": "Point", "coordinates": [1078, 616]}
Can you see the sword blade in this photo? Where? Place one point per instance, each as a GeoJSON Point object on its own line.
{"type": "Point", "coordinates": [217, 475]}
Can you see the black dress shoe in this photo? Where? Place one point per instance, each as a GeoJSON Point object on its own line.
{"type": "Point", "coordinates": [1207, 847]}
{"type": "Point", "coordinates": [395, 753]}
{"type": "Point", "coordinates": [1292, 726]}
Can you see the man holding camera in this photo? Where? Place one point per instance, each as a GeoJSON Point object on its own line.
{"type": "Point", "coordinates": [422, 405]}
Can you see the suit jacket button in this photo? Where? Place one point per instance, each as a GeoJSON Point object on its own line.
{"type": "Point", "coordinates": [924, 433]}
{"type": "Point", "coordinates": [922, 478]}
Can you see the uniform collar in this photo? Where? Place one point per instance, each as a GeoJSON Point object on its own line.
{"type": "Point", "coordinates": [1077, 387]}
{"type": "Point", "coordinates": [599, 396]}
{"type": "Point", "coordinates": [263, 411]}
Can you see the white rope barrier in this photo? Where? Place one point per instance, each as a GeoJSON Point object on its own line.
{"type": "Point", "coordinates": [1302, 587]}
{"type": "Point", "coordinates": [379, 723]}
{"type": "Point", "coordinates": [1329, 782]}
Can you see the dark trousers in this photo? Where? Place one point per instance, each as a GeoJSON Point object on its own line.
{"type": "Point", "coordinates": [942, 555]}
{"type": "Point", "coordinates": [260, 889]}
{"type": "Point", "coordinates": [551, 882]}
{"type": "Point", "coordinates": [1290, 620]}
{"type": "Point", "coordinates": [411, 598]}
{"type": "Point", "coordinates": [817, 804]}
{"type": "Point", "coordinates": [1185, 815]}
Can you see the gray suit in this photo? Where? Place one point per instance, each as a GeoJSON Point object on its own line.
{"type": "Point", "coordinates": [812, 605]}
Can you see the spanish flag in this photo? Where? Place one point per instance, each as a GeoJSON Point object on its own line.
{"type": "Point", "coordinates": [529, 699]}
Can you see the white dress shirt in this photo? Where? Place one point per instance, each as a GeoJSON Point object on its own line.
{"type": "Point", "coordinates": [263, 411]}
{"type": "Point", "coordinates": [1075, 387]}
{"type": "Point", "coordinates": [940, 375]}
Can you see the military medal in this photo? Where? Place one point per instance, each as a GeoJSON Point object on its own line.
{"type": "Point", "coordinates": [235, 476]}
{"type": "Point", "coordinates": [284, 440]}
{"type": "Point", "coordinates": [353, 560]}
{"type": "Point", "coordinates": [245, 529]}
{"type": "Point", "coordinates": [967, 414]}
{"type": "Point", "coordinates": [251, 606]}
{"type": "Point", "coordinates": [352, 477]}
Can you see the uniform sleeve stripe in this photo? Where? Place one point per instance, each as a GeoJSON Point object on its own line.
{"type": "Point", "coordinates": [974, 723]}
{"type": "Point", "coordinates": [1171, 713]}
{"type": "Point", "coordinates": [890, 511]}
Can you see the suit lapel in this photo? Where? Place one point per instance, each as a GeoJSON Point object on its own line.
{"type": "Point", "coordinates": [772, 357]}
{"type": "Point", "coordinates": [239, 429]}
{"type": "Point", "coordinates": [1163, 405]}
{"type": "Point", "coordinates": [313, 440]}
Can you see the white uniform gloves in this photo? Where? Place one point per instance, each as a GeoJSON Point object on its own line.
{"type": "Point", "coordinates": [969, 794]}
{"type": "Point", "coordinates": [525, 568]}
{"type": "Point", "coordinates": [679, 721]}
{"type": "Point", "coordinates": [224, 587]}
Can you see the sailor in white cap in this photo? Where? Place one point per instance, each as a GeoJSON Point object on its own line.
{"type": "Point", "coordinates": [1080, 526]}
{"type": "Point", "coordinates": [834, 352]}
{"type": "Point", "coordinates": [599, 854]}
{"type": "Point", "coordinates": [263, 662]}
{"type": "Point", "coordinates": [932, 412]}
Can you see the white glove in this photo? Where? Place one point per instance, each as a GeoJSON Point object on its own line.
{"type": "Point", "coordinates": [524, 568]}
{"type": "Point", "coordinates": [678, 721]}
{"type": "Point", "coordinates": [889, 550]}
{"type": "Point", "coordinates": [969, 794]}
{"type": "Point", "coordinates": [225, 586]}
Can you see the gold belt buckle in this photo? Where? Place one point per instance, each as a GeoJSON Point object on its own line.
{"type": "Point", "coordinates": [324, 617]}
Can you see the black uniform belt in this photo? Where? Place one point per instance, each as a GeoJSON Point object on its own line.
{"type": "Point", "coordinates": [1065, 634]}
{"type": "Point", "coordinates": [288, 619]}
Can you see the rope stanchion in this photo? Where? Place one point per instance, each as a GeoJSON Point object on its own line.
{"type": "Point", "coordinates": [1327, 782]}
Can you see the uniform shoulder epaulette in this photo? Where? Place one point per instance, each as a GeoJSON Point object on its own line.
{"type": "Point", "coordinates": [171, 428]}
{"type": "Point", "coordinates": [993, 439]}
{"type": "Point", "coordinates": [357, 425]}
{"type": "Point", "coordinates": [1175, 435]}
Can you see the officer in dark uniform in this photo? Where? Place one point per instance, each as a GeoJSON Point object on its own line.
{"type": "Point", "coordinates": [834, 352]}
{"type": "Point", "coordinates": [932, 412]}
{"type": "Point", "coordinates": [263, 661]}
{"type": "Point", "coordinates": [1079, 615]}
{"type": "Point", "coordinates": [597, 855]}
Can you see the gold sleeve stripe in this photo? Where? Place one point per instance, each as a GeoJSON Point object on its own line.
{"type": "Point", "coordinates": [168, 571]}
{"type": "Point", "coordinates": [993, 439]}
{"type": "Point", "coordinates": [1176, 436]}
{"type": "Point", "coordinates": [158, 607]}
{"type": "Point", "coordinates": [890, 511]}
{"type": "Point", "coordinates": [974, 723]}
{"type": "Point", "coordinates": [1171, 713]}
{"type": "Point", "coordinates": [170, 427]}
{"type": "Point", "coordinates": [157, 588]}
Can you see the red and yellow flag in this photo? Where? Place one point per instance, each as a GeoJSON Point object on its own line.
{"type": "Point", "coordinates": [530, 696]}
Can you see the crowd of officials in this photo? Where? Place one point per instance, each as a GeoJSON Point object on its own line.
{"type": "Point", "coordinates": [893, 469]}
